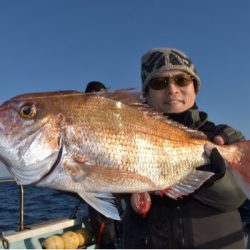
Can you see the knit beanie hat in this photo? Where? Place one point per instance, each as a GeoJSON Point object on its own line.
{"type": "Point", "coordinates": [157, 60]}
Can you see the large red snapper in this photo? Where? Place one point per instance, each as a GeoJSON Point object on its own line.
{"type": "Point", "coordinates": [94, 146]}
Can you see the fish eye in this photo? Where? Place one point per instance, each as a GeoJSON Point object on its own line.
{"type": "Point", "coordinates": [27, 111]}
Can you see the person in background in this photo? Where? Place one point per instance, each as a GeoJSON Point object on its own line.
{"type": "Point", "coordinates": [104, 229]}
{"type": "Point", "coordinates": [95, 86]}
{"type": "Point", "coordinates": [209, 217]}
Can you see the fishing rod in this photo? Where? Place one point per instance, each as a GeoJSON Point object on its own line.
{"type": "Point", "coordinates": [21, 190]}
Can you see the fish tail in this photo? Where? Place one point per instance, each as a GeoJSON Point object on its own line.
{"type": "Point", "coordinates": [240, 165]}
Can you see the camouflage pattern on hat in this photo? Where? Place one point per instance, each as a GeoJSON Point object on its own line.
{"type": "Point", "coordinates": [163, 59]}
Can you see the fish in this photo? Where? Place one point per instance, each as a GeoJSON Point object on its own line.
{"type": "Point", "coordinates": [99, 145]}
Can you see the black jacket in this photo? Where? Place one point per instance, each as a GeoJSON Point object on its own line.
{"type": "Point", "coordinates": [207, 218]}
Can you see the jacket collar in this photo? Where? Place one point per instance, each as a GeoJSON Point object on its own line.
{"type": "Point", "coordinates": [191, 118]}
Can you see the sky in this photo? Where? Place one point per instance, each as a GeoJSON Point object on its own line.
{"type": "Point", "coordinates": [50, 45]}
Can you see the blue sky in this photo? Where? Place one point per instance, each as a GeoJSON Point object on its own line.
{"type": "Point", "coordinates": [63, 44]}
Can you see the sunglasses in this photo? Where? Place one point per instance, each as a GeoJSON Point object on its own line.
{"type": "Point", "coordinates": [163, 82]}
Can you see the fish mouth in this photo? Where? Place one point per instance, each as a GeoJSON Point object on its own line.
{"type": "Point", "coordinates": [55, 164]}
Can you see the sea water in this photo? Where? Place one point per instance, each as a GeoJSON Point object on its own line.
{"type": "Point", "coordinates": [40, 205]}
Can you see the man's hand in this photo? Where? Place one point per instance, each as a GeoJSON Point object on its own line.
{"type": "Point", "coordinates": [217, 164]}
{"type": "Point", "coordinates": [219, 140]}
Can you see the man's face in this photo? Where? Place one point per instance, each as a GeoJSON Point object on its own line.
{"type": "Point", "coordinates": [174, 97]}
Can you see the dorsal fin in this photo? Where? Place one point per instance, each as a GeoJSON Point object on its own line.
{"type": "Point", "coordinates": [125, 96]}
{"type": "Point", "coordinates": [193, 133]}
{"type": "Point", "coordinates": [135, 100]}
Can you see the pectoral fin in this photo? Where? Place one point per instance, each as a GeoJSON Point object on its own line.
{"type": "Point", "coordinates": [111, 179]}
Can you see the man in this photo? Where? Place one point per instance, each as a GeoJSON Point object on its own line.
{"type": "Point", "coordinates": [208, 218]}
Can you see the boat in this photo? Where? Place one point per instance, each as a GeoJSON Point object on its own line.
{"type": "Point", "coordinates": [36, 236]}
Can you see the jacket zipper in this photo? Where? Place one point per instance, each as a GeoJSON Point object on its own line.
{"type": "Point", "coordinates": [179, 228]}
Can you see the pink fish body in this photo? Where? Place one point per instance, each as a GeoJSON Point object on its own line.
{"type": "Point", "coordinates": [94, 146]}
